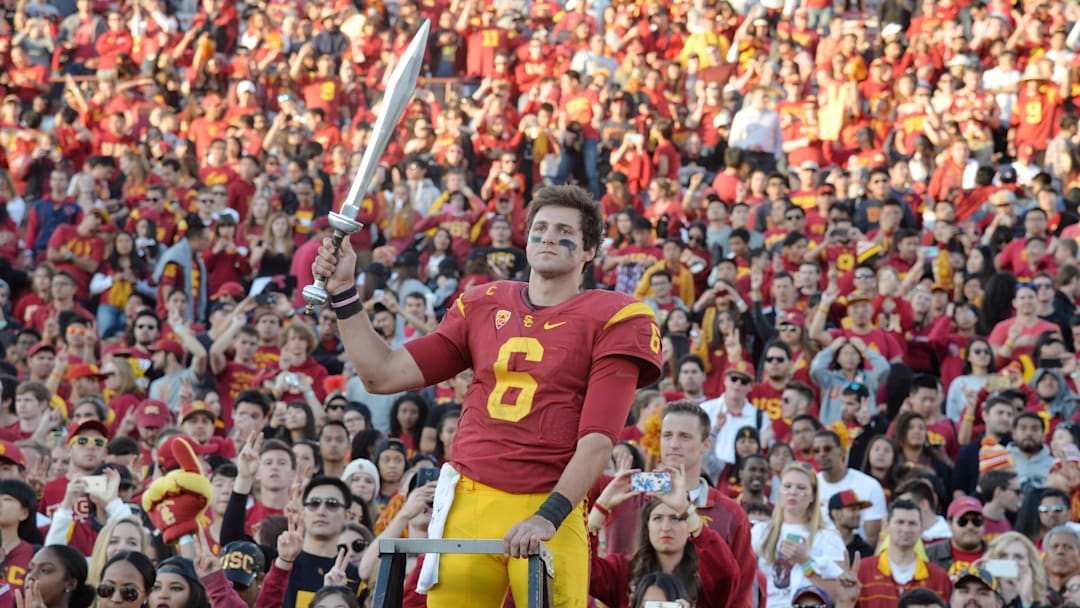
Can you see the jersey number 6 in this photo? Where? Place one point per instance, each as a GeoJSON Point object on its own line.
{"type": "Point", "coordinates": [522, 381]}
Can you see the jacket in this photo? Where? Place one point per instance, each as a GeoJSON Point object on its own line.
{"type": "Point", "coordinates": [879, 590]}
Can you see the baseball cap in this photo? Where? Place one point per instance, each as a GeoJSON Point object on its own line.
{"type": "Point", "coordinates": [792, 317]}
{"type": "Point", "coordinates": [12, 453]}
{"type": "Point", "coordinates": [979, 574]}
{"type": "Point", "coordinates": [1007, 174]}
{"type": "Point", "coordinates": [722, 119]}
{"type": "Point", "coordinates": [197, 407]}
{"type": "Point", "coordinates": [242, 561]}
{"type": "Point", "coordinates": [245, 86]}
{"type": "Point", "coordinates": [231, 288]}
{"type": "Point", "coordinates": [815, 591]}
{"type": "Point", "coordinates": [858, 296]}
{"type": "Point", "coordinates": [152, 413]}
{"type": "Point", "coordinates": [407, 258]}
{"type": "Point", "coordinates": [179, 565]}
{"type": "Point", "coordinates": [102, 214]}
{"type": "Point", "coordinates": [77, 428]}
{"type": "Point", "coordinates": [40, 346]}
{"type": "Point", "coordinates": [847, 498]}
{"type": "Point", "coordinates": [170, 346]}
{"type": "Point", "coordinates": [84, 370]}
{"type": "Point", "coordinates": [891, 29]}
{"type": "Point", "coordinates": [965, 504]}
{"type": "Point", "coordinates": [808, 165]}
{"type": "Point", "coordinates": [740, 367]}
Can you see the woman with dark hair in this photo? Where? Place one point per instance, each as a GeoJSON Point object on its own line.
{"type": "Point", "coordinates": [912, 440]}
{"type": "Point", "coordinates": [126, 581]}
{"type": "Point", "coordinates": [950, 338]}
{"type": "Point", "coordinates": [844, 361]}
{"type": "Point", "coordinates": [672, 539]}
{"type": "Point", "coordinates": [178, 586]}
{"type": "Point", "coordinates": [747, 443]}
{"type": "Point", "coordinates": [57, 578]}
{"type": "Point", "coordinates": [363, 444]}
{"type": "Point", "coordinates": [998, 298]}
{"type": "Point", "coordinates": [299, 422]}
{"type": "Point", "coordinates": [407, 416]}
{"type": "Point", "coordinates": [1041, 511]}
{"type": "Point", "coordinates": [677, 322]}
{"type": "Point", "coordinates": [659, 587]}
{"type": "Point", "coordinates": [979, 262]}
{"type": "Point", "coordinates": [448, 426]}
{"type": "Point", "coordinates": [334, 597]}
{"type": "Point", "coordinates": [978, 365]}
{"type": "Point", "coordinates": [436, 249]}
{"type": "Point", "coordinates": [880, 462]}
{"type": "Point", "coordinates": [18, 532]}
{"type": "Point", "coordinates": [124, 272]}
{"type": "Point", "coordinates": [673, 348]}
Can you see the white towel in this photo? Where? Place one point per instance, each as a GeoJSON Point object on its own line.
{"type": "Point", "coordinates": [444, 499]}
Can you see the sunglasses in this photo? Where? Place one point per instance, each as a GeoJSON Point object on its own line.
{"type": "Point", "coordinates": [128, 594]}
{"type": "Point", "coordinates": [740, 379]}
{"type": "Point", "coordinates": [332, 504]}
{"type": "Point", "coordinates": [77, 331]}
{"type": "Point", "coordinates": [964, 520]}
{"type": "Point", "coordinates": [809, 606]}
{"type": "Point", "coordinates": [153, 199]}
{"type": "Point", "coordinates": [786, 327]}
{"type": "Point", "coordinates": [335, 407]}
{"type": "Point", "coordinates": [775, 359]}
{"type": "Point", "coordinates": [1051, 508]}
{"type": "Point", "coordinates": [83, 440]}
{"type": "Point", "coordinates": [358, 545]}
{"type": "Point", "coordinates": [1043, 285]}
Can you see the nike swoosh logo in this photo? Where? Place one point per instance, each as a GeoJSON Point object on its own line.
{"type": "Point", "coordinates": [553, 325]}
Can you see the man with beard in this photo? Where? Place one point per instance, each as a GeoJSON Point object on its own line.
{"type": "Point", "coordinates": [887, 575]}
{"type": "Point", "coordinates": [976, 588]}
{"type": "Point", "coordinates": [1062, 546]}
{"type": "Point", "coordinates": [967, 524]}
{"type": "Point", "coordinates": [168, 365]}
{"type": "Point", "coordinates": [845, 511]}
{"type": "Point", "coordinates": [1029, 450]}
{"type": "Point", "coordinates": [803, 429]}
{"type": "Point", "coordinates": [998, 413]}
{"type": "Point", "coordinates": [835, 476]}
{"type": "Point", "coordinates": [690, 378]}
{"type": "Point", "coordinates": [753, 475]}
{"type": "Point", "coordinates": [146, 329]}
{"type": "Point", "coordinates": [999, 491]}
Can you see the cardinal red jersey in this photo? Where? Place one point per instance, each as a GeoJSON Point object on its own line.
{"type": "Point", "coordinates": [234, 378]}
{"type": "Point", "coordinates": [523, 414]}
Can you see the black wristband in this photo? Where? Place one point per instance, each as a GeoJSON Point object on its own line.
{"type": "Point", "coordinates": [349, 310]}
{"type": "Point", "coordinates": [555, 509]}
{"type": "Point", "coordinates": [338, 298]}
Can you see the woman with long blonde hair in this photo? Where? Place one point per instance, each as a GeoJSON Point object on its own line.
{"type": "Point", "coordinates": [120, 534]}
{"type": "Point", "coordinates": [1032, 584]}
{"type": "Point", "coordinates": [272, 254]}
{"type": "Point", "coordinates": [796, 548]}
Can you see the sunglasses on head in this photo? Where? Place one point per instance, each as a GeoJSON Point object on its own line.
{"type": "Point", "coordinates": [1051, 508]}
{"type": "Point", "coordinates": [128, 594]}
{"type": "Point", "coordinates": [83, 440]}
{"type": "Point", "coordinates": [964, 520]}
{"type": "Point", "coordinates": [331, 504]}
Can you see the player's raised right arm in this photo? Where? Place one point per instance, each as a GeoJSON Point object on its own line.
{"type": "Point", "coordinates": [383, 369]}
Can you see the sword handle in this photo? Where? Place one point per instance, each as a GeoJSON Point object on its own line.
{"type": "Point", "coordinates": [320, 281]}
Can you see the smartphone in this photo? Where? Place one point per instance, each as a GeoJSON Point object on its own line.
{"type": "Point", "coordinates": [795, 538]}
{"type": "Point", "coordinates": [1050, 363]}
{"type": "Point", "coordinates": [96, 484]}
{"type": "Point", "coordinates": [840, 233]}
{"type": "Point", "coordinates": [426, 475]}
{"type": "Point", "coordinates": [662, 605]}
{"type": "Point", "coordinates": [265, 298]}
{"type": "Point", "coordinates": [998, 383]}
{"type": "Point", "coordinates": [653, 483]}
{"type": "Point", "coordinates": [930, 252]}
{"type": "Point", "coordinates": [1003, 567]}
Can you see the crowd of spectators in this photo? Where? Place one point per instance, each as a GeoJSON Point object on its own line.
{"type": "Point", "coordinates": [857, 225]}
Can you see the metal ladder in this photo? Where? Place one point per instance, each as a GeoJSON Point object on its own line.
{"type": "Point", "coordinates": [389, 586]}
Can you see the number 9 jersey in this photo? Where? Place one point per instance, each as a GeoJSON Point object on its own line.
{"type": "Point", "coordinates": [525, 410]}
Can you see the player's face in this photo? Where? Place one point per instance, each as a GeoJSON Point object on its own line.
{"type": "Point", "coordinates": [555, 245]}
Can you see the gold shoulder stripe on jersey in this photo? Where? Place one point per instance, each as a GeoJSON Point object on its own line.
{"type": "Point", "coordinates": [461, 304]}
{"type": "Point", "coordinates": [631, 310]}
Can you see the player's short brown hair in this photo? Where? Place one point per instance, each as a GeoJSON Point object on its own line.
{"type": "Point", "coordinates": [572, 197]}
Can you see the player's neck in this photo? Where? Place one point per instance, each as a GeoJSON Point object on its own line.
{"type": "Point", "coordinates": [551, 292]}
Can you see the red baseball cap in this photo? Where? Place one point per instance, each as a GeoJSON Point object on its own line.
{"type": "Point", "coordinates": [197, 407]}
{"type": "Point", "coordinates": [40, 346]}
{"type": "Point", "coordinates": [232, 288]}
{"type": "Point", "coordinates": [965, 504]}
{"type": "Point", "coordinates": [84, 370]}
{"type": "Point", "coordinates": [76, 428]}
{"type": "Point", "coordinates": [152, 414]}
{"type": "Point", "coordinates": [740, 367]}
{"type": "Point", "coordinates": [170, 346]}
{"type": "Point", "coordinates": [792, 317]}
{"type": "Point", "coordinates": [12, 453]}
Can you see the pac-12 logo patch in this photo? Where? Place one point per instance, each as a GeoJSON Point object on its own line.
{"type": "Point", "coordinates": [501, 318]}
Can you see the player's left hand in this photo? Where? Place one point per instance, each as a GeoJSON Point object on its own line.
{"type": "Point", "coordinates": [525, 537]}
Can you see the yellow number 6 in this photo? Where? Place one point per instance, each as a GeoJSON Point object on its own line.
{"type": "Point", "coordinates": [506, 379]}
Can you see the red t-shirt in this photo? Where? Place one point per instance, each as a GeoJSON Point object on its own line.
{"type": "Point", "coordinates": [234, 378]}
{"type": "Point", "coordinates": [523, 416]}
{"type": "Point", "coordinates": [91, 246]}
{"type": "Point", "coordinates": [258, 512]}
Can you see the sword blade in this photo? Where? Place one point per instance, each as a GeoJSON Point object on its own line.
{"type": "Point", "coordinates": [399, 91]}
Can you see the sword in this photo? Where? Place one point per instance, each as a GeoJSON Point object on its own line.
{"type": "Point", "coordinates": [399, 91]}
